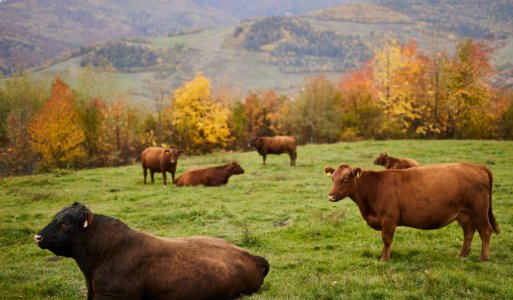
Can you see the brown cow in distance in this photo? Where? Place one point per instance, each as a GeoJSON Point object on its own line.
{"type": "Point", "coordinates": [390, 162]}
{"type": "Point", "coordinates": [160, 160]}
{"type": "Point", "coordinates": [275, 145]}
{"type": "Point", "coordinates": [213, 176]}
{"type": "Point", "coordinates": [122, 263]}
{"type": "Point", "coordinates": [427, 197]}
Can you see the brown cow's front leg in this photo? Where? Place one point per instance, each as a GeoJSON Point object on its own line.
{"type": "Point", "coordinates": [164, 177]}
{"type": "Point", "coordinates": [387, 234]}
{"type": "Point", "coordinates": [263, 156]}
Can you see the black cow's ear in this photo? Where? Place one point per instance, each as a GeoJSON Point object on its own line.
{"type": "Point", "coordinates": [88, 220]}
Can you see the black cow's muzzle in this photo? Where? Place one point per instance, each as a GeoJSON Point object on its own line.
{"type": "Point", "coordinates": [38, 238]}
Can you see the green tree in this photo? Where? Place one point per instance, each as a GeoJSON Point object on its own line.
{"type": "Point", "coordinates": [315, 114]}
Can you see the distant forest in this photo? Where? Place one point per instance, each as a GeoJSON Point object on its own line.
{"type": "Point", "coordinates": [126, 57]}
{"type": "Point", "coordinates": [296, 47]}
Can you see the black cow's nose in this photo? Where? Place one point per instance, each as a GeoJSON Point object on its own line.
{"type": "Point", "coordinates": [38, 238]}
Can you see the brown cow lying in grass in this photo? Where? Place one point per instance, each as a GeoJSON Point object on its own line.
{"type": "Point", "coordinates": [390, 162]}
{"type": "Point", "coordinates": [160, 160]}
{"type": "Point", "coordinates": [121, 263]}
{"type": "Point", "coordinates": [275, 145]}
{"type": "Point", "coordinates": [427, 197]}
{"type": "Point", "coordinates": [213, 176]}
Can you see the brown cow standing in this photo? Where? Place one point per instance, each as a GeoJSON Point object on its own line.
{"type": "Point", "coordinates": [390, 162]}
{"type": "Point", "coordinates": [213, 176]}
{"type": "Point", "coordinates": [275, 145]}
{"type": "Point", "coordinates": [427, 197]}
{"type": "Point", "coordinates": [160, 160]}
{"type": "Point", "coordinates": [121, 263]}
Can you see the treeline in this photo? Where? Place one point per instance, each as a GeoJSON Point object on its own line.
{"type": "Point", "coordinates": [297, 47]}
{"type": "Point", "coordinates": [400, 93]}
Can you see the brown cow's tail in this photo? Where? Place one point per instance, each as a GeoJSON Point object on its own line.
{"type": "Point", "coordinates": [491, 217]}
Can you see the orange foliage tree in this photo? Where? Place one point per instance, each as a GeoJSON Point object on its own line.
{"type": "Point", "coordinates": [55, 131]}
{"type": "Point", "coordinates": [263, 111]}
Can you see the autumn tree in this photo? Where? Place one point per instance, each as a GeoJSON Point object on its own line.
{"type": "Point", "coordinates": [200, 123]}
{"type": "Point", "coordinates": [315, 114]}
{"type": "Point", "coordinates": [361, 114]}
{"type": "Point", "coordinates": [55, 130]}
{"type": "Point", "coordinates": [470, 91]}
{"type": "Point", "coordinates": [403, 89]}
{"type": "Point", "coordinates": [264, 111]}
{"type": "Point", "coordinates": [20, 97]}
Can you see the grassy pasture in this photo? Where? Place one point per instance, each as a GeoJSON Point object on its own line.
{"type": "Point", "coordinates": [317, 249]}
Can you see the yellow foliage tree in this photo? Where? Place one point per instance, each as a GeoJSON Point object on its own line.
{"type": "Point", "coordinates": [55, 130]}
{"type": "Point", "coordinates": [200, 122]}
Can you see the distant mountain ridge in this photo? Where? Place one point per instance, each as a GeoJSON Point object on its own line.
{"type": "Point", "coordinates": [265, 52]}
{"type": "Point", "coordinates": [37, 30]}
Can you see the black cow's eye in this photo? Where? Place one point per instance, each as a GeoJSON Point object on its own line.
{"type": "Point", "coordinates": [65, 223]}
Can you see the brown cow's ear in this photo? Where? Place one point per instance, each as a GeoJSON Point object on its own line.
{"type": "Point", "coordinates": [167, 152]}
{"type": "Point", "coordinates": [329, 170]}
{"type": "Point", "coordinates": [88, 220]}
{"type": "Point", "coordinates": [356, 172]}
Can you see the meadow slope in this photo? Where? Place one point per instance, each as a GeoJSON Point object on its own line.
{"type": "Point", "coordinates": [317, 249]}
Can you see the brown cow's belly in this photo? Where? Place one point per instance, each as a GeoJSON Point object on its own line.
{"type": "Point", "coordinates": [433, 221]}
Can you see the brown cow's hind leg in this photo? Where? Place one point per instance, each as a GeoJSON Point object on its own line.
{"type": "Point", "coordinates": [485, 233]}
{"type": "Point", "coordinates": [468, 233]}
{"type": "Point", "coordinates": [387, 234]}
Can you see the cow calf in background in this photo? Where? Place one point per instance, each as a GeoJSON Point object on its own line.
{"type": "Point", "coordinates": [121, 263]}
{"type": "Point", "coordinates": [213, 176]}
{"type": "Point", "coordinates": [390, 162]}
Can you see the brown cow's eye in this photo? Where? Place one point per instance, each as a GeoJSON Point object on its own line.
{"type": "Point", "coordinates": [346, 179]}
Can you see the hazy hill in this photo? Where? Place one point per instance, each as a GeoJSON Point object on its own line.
{"type": "Point", "coordinates": [37, 30]}
{"type": "Point", "coordinates": [244, 9]}
{"type": "Point", "coordinates": [280, 52]}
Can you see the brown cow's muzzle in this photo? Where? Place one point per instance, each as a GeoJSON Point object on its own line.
{"type": "Point", "coordinates": [333, 197]}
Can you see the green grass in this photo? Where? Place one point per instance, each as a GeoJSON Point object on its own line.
{"type": "Point", "coordinates": [324, 251]}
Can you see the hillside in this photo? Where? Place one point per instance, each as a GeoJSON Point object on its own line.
{"type": "Point", "coordinates": [316, 249]}
{"type": "Point", "coordinates": [280, 52]}
{"type": "Point", "coordinates": [35, 31]}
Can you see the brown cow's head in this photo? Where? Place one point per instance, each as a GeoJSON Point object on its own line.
{"type": "Point", "coordinates": [235, 168]}
{"type": "Point", "coordinates": [252, 142]}
{"type": "Point", "coordinates": [172, 154]}
{"type": "Point", "coordinates": [343, 181]}
{"type": "Point", "coordinates": [382, 159]}
{"type": "Point", "coordinates": [65, 231]}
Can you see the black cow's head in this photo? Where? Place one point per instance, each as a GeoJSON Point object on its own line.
{"type": "Point", "coordinates": [65, 230]}
{"type": "Point", "coordinates": [343, 179]}
{"type": "Point", "coordinates": [172, 154]}
{"type": "Point", "coordinates": [235, 168]}
{"type": "Point", "coordinates": [381, 159]}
